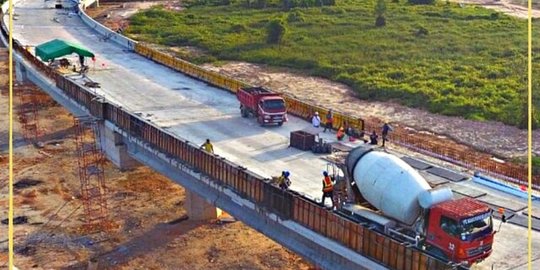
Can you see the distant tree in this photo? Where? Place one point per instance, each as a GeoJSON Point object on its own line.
{"type": "Point", "coordinates": [276, 30]}
{"type": "Point", "coordinates": [380, 10]}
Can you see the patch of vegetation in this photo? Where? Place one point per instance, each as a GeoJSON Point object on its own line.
{"type": "Point", "coordinates": [441, 57]}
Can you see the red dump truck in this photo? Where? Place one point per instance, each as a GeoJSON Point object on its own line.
{"type": "Point", "coordinates": [396, 200]}
{"type": "Point", "coordinates": [267, 107]}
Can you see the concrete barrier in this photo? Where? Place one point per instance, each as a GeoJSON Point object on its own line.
{"type": "Point", "coordinates": [101, 29]}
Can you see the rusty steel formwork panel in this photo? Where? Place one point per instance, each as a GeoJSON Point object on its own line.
{"type": "Point", "coordinates": [278, 201]}
{"type": "Point", "coordinates": [302, 140]}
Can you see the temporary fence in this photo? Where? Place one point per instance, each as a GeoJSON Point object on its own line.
{"type": "Point", "coordinates": [285, 204]}
{"type": "Point", "coordinates": [429, 145]}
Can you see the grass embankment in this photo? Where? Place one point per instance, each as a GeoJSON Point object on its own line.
{"type": "Point", "coordinates": [467, 62]}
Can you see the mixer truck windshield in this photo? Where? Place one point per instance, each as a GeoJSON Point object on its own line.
{"type": "Point", "coordinates": [469, 228]}
{"type": "Point", "coordinates": [474, 227]}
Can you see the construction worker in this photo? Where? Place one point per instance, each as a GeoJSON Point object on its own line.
{"type": "Point", "coordinates": [340, 134]}
{"type": "Point", "coordinates": [316, 120]}
{"type": "Point", "coordinates": [329, 121]}
{"type": "Point", "coordinates": [386, 127]}
{"type": "Point", "coordinates": [283, 180]}
{"type": "Point", "coordinates": [207, 146]}
{"type": "Point", "coordinates": [328, 188]}
{"type": "Point", "coordinates": [373, 138]}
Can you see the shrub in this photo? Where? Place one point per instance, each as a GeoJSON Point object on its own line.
{"type": "Point", "coordinates": [380, 21]}
{"type": "Point", "coordinates": [275, 31]}
{"type": "Point", "coordinates": [421, 31]}
{"type": "Point", "coordinates": [380, 10]}
{"type": "Point", "coordinates": [295, 16]}
{"type": "Point", "coordinates": [238, 28]}
{"type": "Point", "coordinates": [421, 2]}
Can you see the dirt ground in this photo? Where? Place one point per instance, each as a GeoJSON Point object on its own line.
{"type": "Point", "coordinates": [148, 232]}
{"type": "Point", "coordinates": [494, 137]}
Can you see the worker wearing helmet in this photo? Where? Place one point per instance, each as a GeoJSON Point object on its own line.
{"type": "Point", "coordinates": [207, 146]}
{"type": "Point", "coordinates": [283, 181]}
{"type": "Point", "coordinates": [328, 188]}
{"type": "Point", "coordinates": [316, 120]}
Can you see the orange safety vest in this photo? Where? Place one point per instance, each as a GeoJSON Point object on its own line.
{"type": "Point", "coordinates": [328, 185]}
{"type": "Point", "coordinates": [340, 133]}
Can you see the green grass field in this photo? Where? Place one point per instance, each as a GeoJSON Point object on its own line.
{"type": "Point", "coordinates": [468, 62]}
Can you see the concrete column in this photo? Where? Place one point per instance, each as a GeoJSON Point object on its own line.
{"type": "Point", "coordinates": [20, 72]}
{"type": "Point", "coordinates": [198, 208]}
{"type": "Point", "coordinates": [115, 149]}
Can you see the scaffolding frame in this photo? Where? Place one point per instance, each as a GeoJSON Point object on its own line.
{"type": "Point", "coordinates": [28, 111]}
{"type": "Point", "coordinates": [91, 173]}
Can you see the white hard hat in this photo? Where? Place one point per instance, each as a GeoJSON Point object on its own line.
{"type": "Point", "coordinates": [317, 113]}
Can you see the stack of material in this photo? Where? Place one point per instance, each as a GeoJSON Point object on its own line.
{"type": "Point", "coordinates": [322, 147]}
{"type": "Point", "coordinates": [302, 140]}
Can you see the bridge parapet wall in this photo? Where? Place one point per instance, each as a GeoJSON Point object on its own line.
{"type": "Point", "coordinates": [106, 33]}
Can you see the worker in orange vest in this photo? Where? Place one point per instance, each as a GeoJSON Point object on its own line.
{"type": "Point", "coordinates": [328, 188]}
{"type": "Point", "coordinates": [340, 134]}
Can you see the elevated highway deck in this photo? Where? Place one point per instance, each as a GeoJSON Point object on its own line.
{"type": "Point", "coordinates": [194, 111]}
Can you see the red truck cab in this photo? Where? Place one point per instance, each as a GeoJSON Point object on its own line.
{"type": "Point", "coordinates": [462, 230]}
{"type": "Point", "coordinates": [266, 106]}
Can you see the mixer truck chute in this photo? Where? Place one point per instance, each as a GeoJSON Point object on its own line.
{"type": "Point", "coordinates": [393, 198]}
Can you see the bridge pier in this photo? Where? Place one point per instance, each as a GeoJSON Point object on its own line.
{"type": "Point", "coordinates": [198, 208]}
{"type": "Point", "coordinates": [114, 147]}
{"type": "Point", "coordinates": [20, 72]}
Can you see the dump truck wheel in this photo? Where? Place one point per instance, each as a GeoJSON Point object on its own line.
{"type": "Point", "coordinates": [244, 112]}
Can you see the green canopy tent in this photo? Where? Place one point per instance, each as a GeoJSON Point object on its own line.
{"type": "Point", "coordinates": [57, 48]}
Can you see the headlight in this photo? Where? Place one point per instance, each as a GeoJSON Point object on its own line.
{"type": "Point", "coordinates": [267, 117]}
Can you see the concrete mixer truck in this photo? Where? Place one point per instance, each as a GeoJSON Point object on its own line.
{"type": "Point", "coordinates": [390, 196]}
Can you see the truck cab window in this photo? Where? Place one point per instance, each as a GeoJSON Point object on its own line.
{"type": "Point", "coordinates": [274, 104]}
{"type": "Point", "coordinates": [471, 226]}
{"type": "Point", "coordinates": [450, 226]}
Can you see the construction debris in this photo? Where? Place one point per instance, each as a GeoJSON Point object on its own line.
{"type": "Point", "coordinates": [16, 221]}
